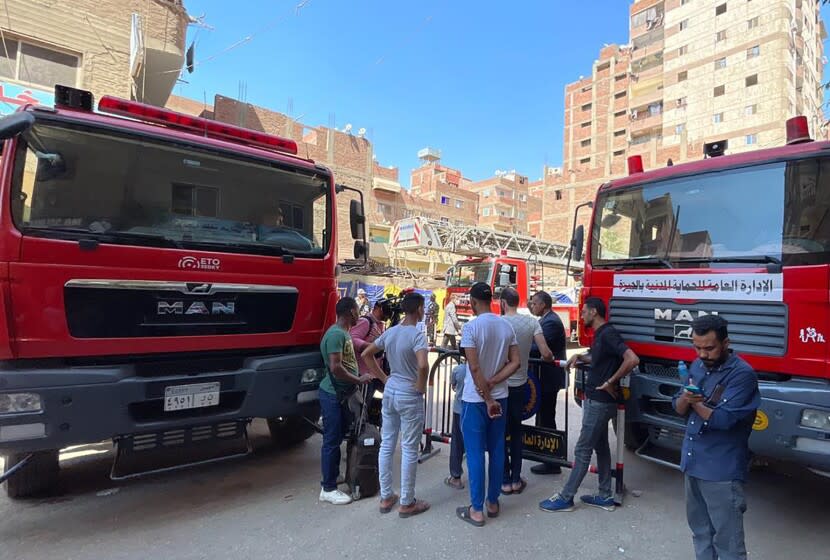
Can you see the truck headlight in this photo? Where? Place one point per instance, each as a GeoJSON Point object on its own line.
{"type": "Point", "coordinates": [12, 403]}
{"type": "Point", "coordinates": [819, 419]}
{"type": "Point", "coordinates": [311, 375]}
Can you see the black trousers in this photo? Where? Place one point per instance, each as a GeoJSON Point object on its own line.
{"type": "Point", "coordinates": [546, 417]}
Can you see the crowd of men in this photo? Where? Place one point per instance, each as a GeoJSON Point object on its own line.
{"type": "Point", "coordinates": [718, 401]}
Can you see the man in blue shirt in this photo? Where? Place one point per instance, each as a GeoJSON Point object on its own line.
{"type": "Point", "coordinates": [715, 457]}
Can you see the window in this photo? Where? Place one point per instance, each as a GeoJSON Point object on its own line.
{"type": "Point", "coordinates": [445, 200]}
{"type": "Point", "coordinates": [586, 124]}
{"type": "Point", "coordinates": [752, 80]}
{"type": "Point", "coordinates": [751, 139]}
{"type": "Point", "coordinates": [619, 153]}
{"type": "Point", "coordinates": [681, 76]}
{"type": "Point", "coordinates": [523, 197]}
{"type": "Point", "coordinates": [720, 90]}
{"type": "Point", "coordinates": [459, 204]}
{"type": "Point", "coordinates": [750, 110]}
{"type": "Point", "coordinates": [752, 23]}
{"type": "Point", "coordinates": [586, 89]}
{"type": "Point", "coordinates": [752, 52]}
{"type": "Point", "coordinates": [684, 24]}
{"type": "Point", "coordinates": [195, 200]}
{"type": "Point", "coordinates": [586, 107]}
{"type": "Point", "coordinates": [684, 2]}
{"type": "Point", "coordinates": [619, 77]}
{"type": "Point", "coordinates": [384, 208]}
{"type": "Point", "coordinates": [719, 10]}
{"type": "Point", "coordinates": [445, 220]}
{"type": "Point", "coordinates": [619, 95]}
{"type": "Point", "coordinates": [585, 143]}
{"type": "Point", "coordinates": [681, 102]}
{"type": "Point", "coordinates": [683, 50]}
{"type": "Point", "coordinates": [618, 133]}
{"type": "Point", "coordinates": [485, 211]}
{"type": "Point", "coordinates": [720, 63]}
{"type": "Point", "coordinates": [558, 195]}
{"type": "Point", "coordinates": [717, 118]}
{"type": "Point", "coordinates": [37, 65]}
{"type": "Point", "coordinates": [680, 128]}
{"type": "Point", "coordinates": [585, 160]}
{"type": "Point", "coordinates": [721, 36]}
{"type": "Point", "coordinates": [620, 113]}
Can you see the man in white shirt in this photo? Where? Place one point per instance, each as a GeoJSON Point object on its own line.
{"type": "Point", "coordinates": [492, 357]}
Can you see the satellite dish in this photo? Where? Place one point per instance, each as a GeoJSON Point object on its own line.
{"type": "Point", "coordinates": [361, 132]}
{"type": "Point", "coordinates": [189, 58]}
{"type": "Point", "coordinates": [347, 128]}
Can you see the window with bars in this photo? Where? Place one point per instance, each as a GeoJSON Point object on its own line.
{"type": "Point", "coordinates": [36, 65]}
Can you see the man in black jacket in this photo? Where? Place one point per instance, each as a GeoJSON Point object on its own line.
{"type": "Point", "coordinates": [552, 378]}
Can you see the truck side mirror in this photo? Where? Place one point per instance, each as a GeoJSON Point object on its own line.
{"type": "Point", "coordinates": [357, 220]}
{"type": "Point", "coordinates": [361, 250]}
{"type": "Point", "coordinates": [578, 243]}
{"type": "Point", "coordinates": [14, 124]}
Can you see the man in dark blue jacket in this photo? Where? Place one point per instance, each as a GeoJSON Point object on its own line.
{"type": "Point", "coordinates": [552, 378]}
{"type": "Point", "coordinates": [719, 409]}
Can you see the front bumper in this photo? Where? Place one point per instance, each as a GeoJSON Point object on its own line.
{"type": "Point", "coordinates": [777, 433]}
{"type": "Point", "coordinates": [96, 403]}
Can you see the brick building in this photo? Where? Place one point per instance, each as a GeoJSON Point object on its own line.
{"type": "Point", "coordinates": [694, 71]}
{"type": "Point", "coordinates": [505, 202]}
{"type": "Point", "coordinates": [129, 48]}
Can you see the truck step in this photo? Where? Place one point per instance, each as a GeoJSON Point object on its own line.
{"type": "Point", "coordinates": [660, 455]}
{"type": "Point", "coordinates": [155, 452]}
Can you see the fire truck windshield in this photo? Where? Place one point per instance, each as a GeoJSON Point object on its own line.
{"type": "Point", "coordinates": [75, 182]}
{"type": "Point", "coordinates": [467, 274]}
{"type": "Point", "coordinates": [777, 212]}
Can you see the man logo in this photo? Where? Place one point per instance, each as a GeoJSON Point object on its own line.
{"type": "Point", "coordinates": [678, 314]}
{"type": "Point", "coordinates": [192, 263]}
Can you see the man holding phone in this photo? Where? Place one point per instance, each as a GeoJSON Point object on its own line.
{"type": "Point", "coordinates": [719, 404]}
{"type": "Point", "coordinates": [492, 357]}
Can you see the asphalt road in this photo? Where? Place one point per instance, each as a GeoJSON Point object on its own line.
{"type": "Point", "coordinates": [265, 506]}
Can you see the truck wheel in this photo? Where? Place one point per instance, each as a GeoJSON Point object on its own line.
{"type": "Point", "coordinates": [291, 430]}
{"type": "Point", "coordinates": [38, 478]}
{"type": "Point", "coordinates": [635, 435]}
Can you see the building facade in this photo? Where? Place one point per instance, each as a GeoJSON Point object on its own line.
{"type": "Point", "coordinates": [694, 71]}
{"type": "Point", "coordinates": [133, 49]}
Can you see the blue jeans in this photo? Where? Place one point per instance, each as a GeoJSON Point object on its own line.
{"type": "Point", "coordinates": [593, 437]}
{"type": "Point", "coordinates": [483, 434]}
{"type": "Point", "coordinates": [715, 512]}
{"type": "Point", "coordinates": [335, 423]}
{"type": "Point", "coordinates": [456, 447]}
{"type": "Point", "coordinates": [513, 450]}
{"type": "Point", "coordinates": [403, 413]}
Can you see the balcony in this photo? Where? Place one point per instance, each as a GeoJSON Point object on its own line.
{"type": "Point", "coordinates": [387, 185]}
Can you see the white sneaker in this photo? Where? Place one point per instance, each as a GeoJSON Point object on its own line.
{"type": "Point", "coordinates": [335, 497]}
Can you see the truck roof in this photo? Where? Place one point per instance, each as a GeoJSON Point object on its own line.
{"type": "Point", "coordinates": [176, 132]}
{"type": "Point", "coordinates": [754, 157]}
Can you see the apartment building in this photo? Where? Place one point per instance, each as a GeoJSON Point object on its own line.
{"type": "Point", "coordinates": [128, 48]}
{"type": "Point", "coordinates": [505, 202]}
{"type": "Point", "coordinates": [694, 71]}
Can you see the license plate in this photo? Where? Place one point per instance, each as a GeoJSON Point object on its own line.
{"type": "Point", "coordinates": [183, 397]}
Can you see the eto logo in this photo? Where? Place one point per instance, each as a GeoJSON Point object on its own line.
{"type": "Point", "coordinates": [204, 263]}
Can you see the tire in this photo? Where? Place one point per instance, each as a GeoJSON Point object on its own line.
{"type": "Point", "coordinates": [292, 430]}
{"type": "Point", "coordinates": [635, 435]}
{"type": "Point", "coordinates": [38, 478]}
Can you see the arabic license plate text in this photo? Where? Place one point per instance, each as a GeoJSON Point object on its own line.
{"type": "Point", "coordinates": [183, 397]}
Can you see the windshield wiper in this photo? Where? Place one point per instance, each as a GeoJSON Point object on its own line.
{"type": "Point", "coordinates": [640, 260]}
{"type": "Point", "coordinates": [749, 259]}
{"type": "Point", "coordinates": [103, 236]}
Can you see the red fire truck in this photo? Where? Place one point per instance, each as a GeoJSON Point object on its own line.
{"type": "Point", "coordinates": [746, 236]}
{"type": "Point", "coordinates": [527, 276]}
{"type": "Point", "coordinates": [164, 279]}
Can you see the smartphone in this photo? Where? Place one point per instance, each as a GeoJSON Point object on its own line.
{"type": "Point", "coordinates": [694, 389]}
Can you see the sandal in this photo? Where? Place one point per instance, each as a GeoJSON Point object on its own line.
{"type": "Point", "coordinates": [392, 500]}
{"type": "Point", "coordinates": [492, 514]}
{"type": "Point", "coordinates": [507, 489]}
{"type": "Point", "coordinates": [521, 488]}
{"type": "Point", "coordinates": [454, 483]}
{"type": "Point", "coordinates": [463, 514]}
{"type": "Point", "coordinates": [418, 506]}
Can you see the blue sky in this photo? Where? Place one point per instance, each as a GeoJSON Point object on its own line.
{"type": "Point", "coordinates": [481, 80]}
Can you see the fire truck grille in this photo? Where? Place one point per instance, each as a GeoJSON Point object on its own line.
{"type": "Point", "coordinates": [754, 328]}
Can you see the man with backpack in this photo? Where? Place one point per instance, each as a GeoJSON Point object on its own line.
{"type": "Point", "coordinates": [341, 380]}
{"type": "Point", "coordinates": [406, 349]}
{"type": "Point", "coordinates": [367, 329]}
